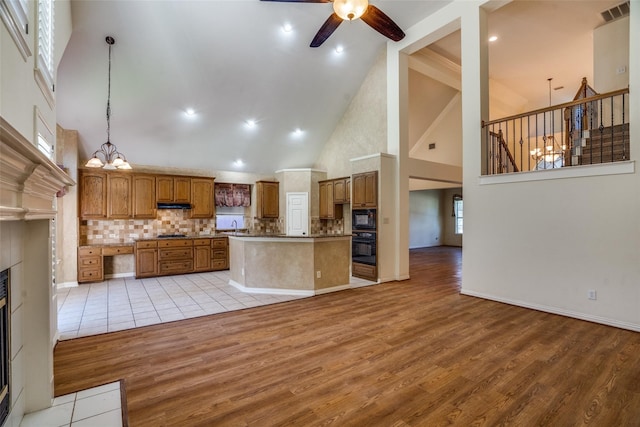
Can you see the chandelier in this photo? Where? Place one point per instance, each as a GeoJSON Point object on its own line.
{"type": "Point", "coordinates": [113, 159]}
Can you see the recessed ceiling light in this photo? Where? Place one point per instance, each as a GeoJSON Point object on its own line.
{"type": "Point", "coordinates": [238, 163]}
{"type": "Point", "coordinates": [339, 49]}
{"type": "Point", "coordinates": [493, 38]}
{"type": "Point", "coordinates": [250, 124]}
{"type": "Point", "coordinates": [190, 111]}
{"type": "Point", "coordinates": [297, 133]}
{"type": "Point", "coordinates": [287, 28]}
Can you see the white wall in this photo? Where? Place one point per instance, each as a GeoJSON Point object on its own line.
{"type": "Point", "coordinates": [425, 219]}
{"type": "Point", "coordinates": [611, 51]}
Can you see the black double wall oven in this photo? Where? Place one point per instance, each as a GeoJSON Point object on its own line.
{"type": "Point", "coordinates": [364, 239]}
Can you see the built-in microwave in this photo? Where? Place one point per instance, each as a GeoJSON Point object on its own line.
{"type": "Point", "coordinates": [363, 219]}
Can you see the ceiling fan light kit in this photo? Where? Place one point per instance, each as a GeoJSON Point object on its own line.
{"type": "Point", "coordinates": [349, 10]}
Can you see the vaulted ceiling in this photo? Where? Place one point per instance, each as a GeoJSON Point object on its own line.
{"type": "Point", "coordinates": [231, 62]}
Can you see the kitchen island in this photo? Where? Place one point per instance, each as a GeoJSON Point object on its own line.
{"type": "Point", "coordinates": [293, 265]}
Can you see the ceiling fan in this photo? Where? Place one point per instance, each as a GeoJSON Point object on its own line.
{"type": "Point", "coordinates": [349, 10]}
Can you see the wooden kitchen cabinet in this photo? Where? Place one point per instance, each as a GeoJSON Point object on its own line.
{"type": "Point", "coordinates": [93, 195]}
{"type": "Point", "coordinates": [328, 208]}
{"type": "Point", "coordinates": [347, 190]}
{"type": "Point", "coordinates": [267, 205]}
{"type": "Point", "coordinates": [173, 189]}
{"type": "Point", "coordinates": [202, 198]}
{"type": "Point", "coordinates": [144, 196]}
{"type": "Point", "coordinates": [90, 267]}
{"type": "Point", "coordinates": [365, 190]}
{"type": "Point", "coordinates": [146, 254]}
{"type": "Point", "coordinates": [340, 194]}
{"type": "Point", "coordinates": [202, 255]}
{"type": "Point", "coordinates": [220, 253]}
{"type": "Point", "coordinates": [175, 256]}
{"type": "Point", "coordinates": [118, 196]}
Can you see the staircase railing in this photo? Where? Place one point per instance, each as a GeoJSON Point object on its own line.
{"type": "Point", "coordinates": [498, 148]}
{"type": "Point", "coordinates": [587, 131]}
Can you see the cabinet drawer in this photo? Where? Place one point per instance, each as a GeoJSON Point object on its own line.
{"type": "Point", "coordinates": [90, 262]}
{"type": "Point", "coordinates": [176, 253]}
{"type": "Point", "coordinates": [220, 242]}
{"type": "Point", "coordinates": [219, 254]}
{"type": "Point", "coordinates": [175, 243]}
{"type": "Point", "coordinates": [88, 251]}
{"type": "Point", "coordinates": [364, 271]}
{"type": "Point", "coordinates": [117, 250]}
{"type": "Point", "coordinates": [89, 274]}
{"type": "Point", "coordinates": [219, 264]}
{"type": "Point", "coordinates": [146, 245]}
{"type": "Point", "coordinates": [201, 242]}
{"type": "Point", "coordinates": [176, 267]}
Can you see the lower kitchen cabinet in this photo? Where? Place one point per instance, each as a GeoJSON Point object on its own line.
{"type": "Point", "coordinates": [202, 255]}
{"type": "Point", "coordinates": [146, 253]}
{"type": "Point", "coordinates": [90, 265]}
{"type": "Point", "coordinates": [220, 253]}
{"type": "Point", "coordinates": [364, 271]}
{"type": "Point", "coordinates": [181, 256]}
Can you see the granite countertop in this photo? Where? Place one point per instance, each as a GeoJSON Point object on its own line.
{"type": "Point", "coordinates": [106, 245]}
{"type": "Point", "coordinates": [278, 235]}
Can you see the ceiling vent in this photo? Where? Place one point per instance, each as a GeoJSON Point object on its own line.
{"type": "Point", "coordinates": [616, 12]}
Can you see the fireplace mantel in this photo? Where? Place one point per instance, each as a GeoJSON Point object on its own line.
{"type": "Point", "coordinates": [29, 181]}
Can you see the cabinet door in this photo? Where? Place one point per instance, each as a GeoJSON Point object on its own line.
{"type": "Point", "coordinates": [146, 262]}
{"type": "Point", "coordinates": [144, 196]}
{"type": "Point", "coordinates": [365, 190]}
{"type": "Point", "coordinates": [118, 196]}
{"type": "Point", "coordinates": [268, 199]}
{"type": "Point", "coordinates": [347, 190]}
{"type": "Point", "coordinates": [339, 190]}
{"type": "Point", "coordinates": [93, 195]}
{"type": "Point", "coordinates": [323, 206]}
{"type": "Point", "coordinates": [202, 258]}
{"type": "Point", "coordinates": [164, 189]}
{"type": "Point", "coordinates": [202, 198]}
{"type": "Point", "coordinates": [182, 189]}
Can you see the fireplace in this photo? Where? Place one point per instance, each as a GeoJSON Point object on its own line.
{"type": "Point", "coordinates": [5, 329]}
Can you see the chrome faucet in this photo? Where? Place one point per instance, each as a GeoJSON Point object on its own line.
{"type": "Point", "coordinates": [234, 224]}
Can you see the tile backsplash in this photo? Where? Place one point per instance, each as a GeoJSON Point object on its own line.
{"type": "Point", "coordinates": [102, 232]}
{"type": "Point", "coordinates": [93, 232]}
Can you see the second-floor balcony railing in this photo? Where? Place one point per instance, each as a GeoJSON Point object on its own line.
{"type": "Point", "coordinates": [587, 131]}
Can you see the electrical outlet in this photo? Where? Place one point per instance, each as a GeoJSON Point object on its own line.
{"type": "Point", "coordinates": [318, 274]}
{"type": "Point", "coordinates": [591, 294]}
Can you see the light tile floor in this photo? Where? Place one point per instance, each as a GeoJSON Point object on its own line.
{"type": "Point", "coordinates": [126, 303]}
{"type": "Point", "coordinates": [96, 407]}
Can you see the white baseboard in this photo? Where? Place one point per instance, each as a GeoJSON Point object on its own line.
{"type": "Point", "coordinates": [555, 310]}
{"type": "Point", "coordinates": [67, 285]}
{"type": "Point", "coordinates": [332, 289]}
{"type": "Point", "coordinates": [274, 291]}
{"type": "Point", "coordinates": [119, 275]}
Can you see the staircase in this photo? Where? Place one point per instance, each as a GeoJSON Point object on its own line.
{"type": "Point", "coordinates": [605, 145]}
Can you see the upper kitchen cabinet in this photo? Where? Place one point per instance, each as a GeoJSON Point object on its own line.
{"type": "Point", "coordinates": [329, 207]}
{"type": "Point", "coordinates": [173, 189]}
{"type": "Point", "coordinates": [202, 198]}
{"type": "Point", "coordinates": [267, 205]}
{"type": "Point", "coordinates": [118, 196]}
{"type": "Point", "coordinates": [340, 193]}
{"type": "Point", "coordinates": [144, 196]}
{"type": "Point", "coordinates": [93, 195]}
{"type": "Point", "coordinates": [365, 190]}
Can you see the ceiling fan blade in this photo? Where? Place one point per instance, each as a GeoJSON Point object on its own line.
{"type": "Point", "coordinates": [380, 22]}
{"type": "Point", "coordinates": [300, 1]}
{"type": "Point", "coordinates": [326, 30]}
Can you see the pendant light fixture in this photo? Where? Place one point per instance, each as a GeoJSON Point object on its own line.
{"type": "Point", "coordinates": [113, 159]}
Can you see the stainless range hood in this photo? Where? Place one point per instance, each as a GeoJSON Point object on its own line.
{"type": "Point", "coordinates": [174, 206]}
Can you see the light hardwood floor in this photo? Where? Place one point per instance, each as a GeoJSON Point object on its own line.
{"type": "Point", "coordinates": [412, 353]}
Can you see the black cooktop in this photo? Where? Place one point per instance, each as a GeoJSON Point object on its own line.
{"type": "Point", "coordinates": [166, 236]}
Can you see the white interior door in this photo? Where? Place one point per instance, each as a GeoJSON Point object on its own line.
{"type": "Point", "coordinates": [298, 214]}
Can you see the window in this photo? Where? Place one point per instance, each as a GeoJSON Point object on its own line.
{"type": "Point", "coordinates": [457, 212]}
{"type": "Point", "coordinates": [44, 137]}
{"type": "Point", "coordinates": [44, 64]}
{"type": "Point", "coordinates": [14, 14]}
